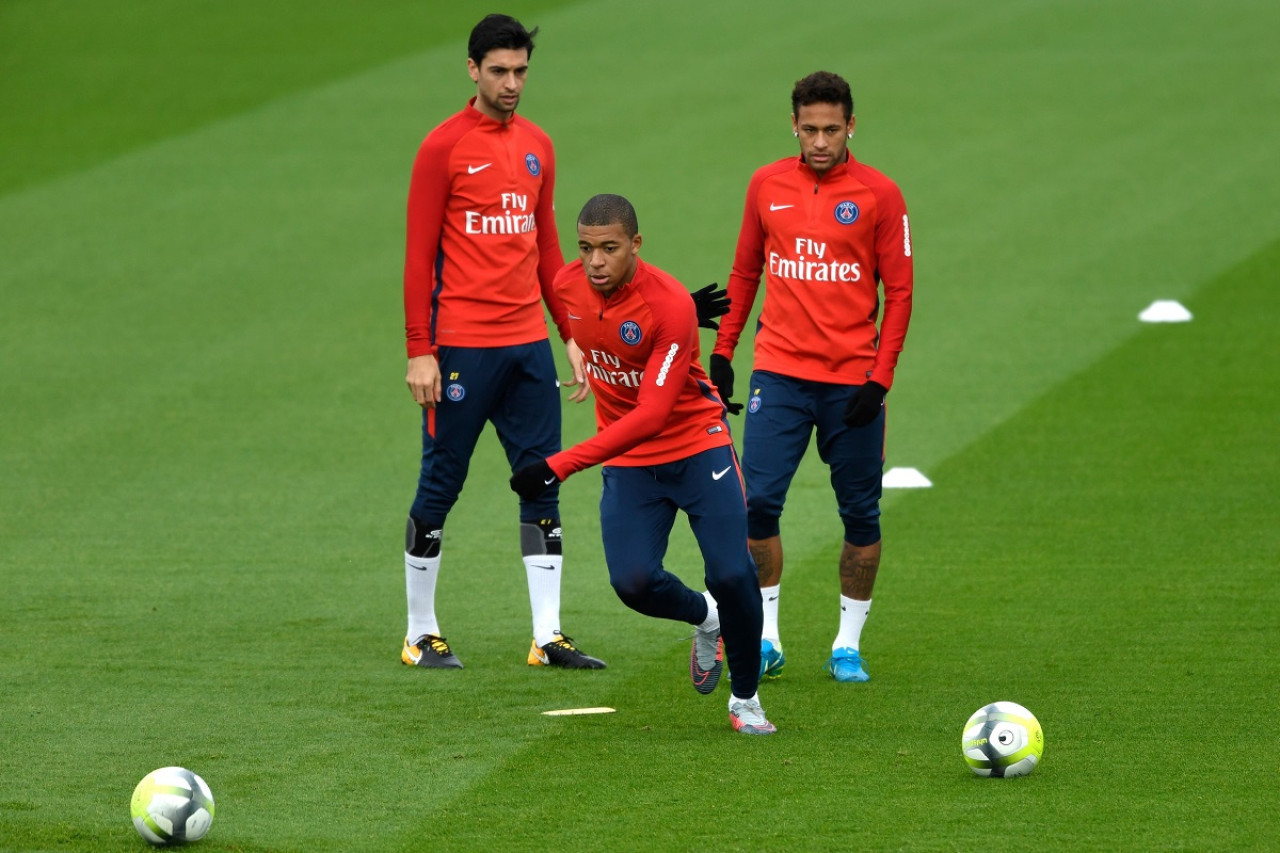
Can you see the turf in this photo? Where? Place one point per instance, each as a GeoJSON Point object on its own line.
{"type": "Point", "coordinates": [207, 451]}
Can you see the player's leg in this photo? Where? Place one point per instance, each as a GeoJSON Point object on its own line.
{"type": "Point", "coordinates": [779, 421]}
{"type": "Point", "coordinates": [636, 516]}
{"type": "Point", "coordinates": [449, 435]}
{"type": "Point", "coordinates": [716, 506]}
{"type": "Point", "coordinates": [856, 459]}
{"type": "Point", "coordinates": [527, 420]}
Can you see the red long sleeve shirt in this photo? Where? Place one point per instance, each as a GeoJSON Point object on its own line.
{"type": "Point", "coordinates": [823, 245]}
{"type": "Point", "coordinates": [654, 402]}
{"type": "Point", "coordinates": [481, 248]}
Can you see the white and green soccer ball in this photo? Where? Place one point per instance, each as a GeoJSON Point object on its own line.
{"type": "Point", "coordinates": [172, 805]}
{"type": "Point", "coordinates": [1002, 739]}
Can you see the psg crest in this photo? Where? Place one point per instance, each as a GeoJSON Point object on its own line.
{"type": "Point", "coordinates": [455, 392]}
{"type": "Point", "coordinates": [846, 213]}
{"type": "Point", "coordinates": [532, 163]}
{"type": "Point", "coordinates": [630, 333]}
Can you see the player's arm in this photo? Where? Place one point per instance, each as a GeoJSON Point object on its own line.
{"type": "Point", "coordinates": [744, 279]}
{"type": "Point", "coordinates": [896, 272]}
{"type": "Point", "coordinates": [550, 257]}
{"type": "Point", "coordinates": [428, 194]}
{"type": "Point", "coordinates": [744, 282]}
{"type": "Point", "coordinates": [550, 263]}
{"type": "Point", "coordinates": [665, 373]}
{"type": "Point", "coordinates": [577, 362]}
{"type": "Point", "coordinates": [578, 367]}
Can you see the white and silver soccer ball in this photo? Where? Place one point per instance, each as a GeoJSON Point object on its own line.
{"type": "Point", "coordinates": [1002, 739]}
{"type": "Point", "coordinates": [172, 805]}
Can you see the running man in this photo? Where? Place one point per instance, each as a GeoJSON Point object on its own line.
{"type": "Point", "coordinates": [665, 446]}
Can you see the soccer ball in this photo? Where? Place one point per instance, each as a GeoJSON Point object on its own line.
{"type": "Point", "coordinates": [1002, 739]}
{"type": "Point", "coordinates": [172, 805]}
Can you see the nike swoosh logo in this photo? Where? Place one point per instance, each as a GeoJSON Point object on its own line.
{"type": "Point", "coordinates": [548, 568]}
{"type": "Point", "coordinates": [773, 206]}
{"type": "Point", "coordinates": [541, 655]}
{"type": "Point", "coordinates": [574, 317]}
{"type": "Point", "coordinates": [548, 482]}
{"type": "Point", "coordinates": [716, 475]}
{"type": "Point", "coordinates": [471, 170]}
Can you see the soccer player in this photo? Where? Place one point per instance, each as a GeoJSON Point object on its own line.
{"type": "Point", "coordinates": [665, 445]}
{"type": "Point", "coordinates": [482, 251]}
{"type": "Point", "coordinates": [825, 231]}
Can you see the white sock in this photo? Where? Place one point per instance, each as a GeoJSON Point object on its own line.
{"type": "Point", "coordinates": [420, 575]}
{"type": "Point", "coordinates": [712, 622]}
{"type": "Point", "coordinates": [543, 572]}
{"type": "Point", "coordinates": [769, 596]}
{"type": "Point", "coordinates": [732, 699]}
{"type": "Point", "coordinates": [853, 615]}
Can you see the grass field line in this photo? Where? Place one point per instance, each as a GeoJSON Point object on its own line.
{"type": "Point", "coordinates": [215, 35]}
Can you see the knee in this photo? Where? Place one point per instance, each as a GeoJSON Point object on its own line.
{"type": "Point", "coordinates": [862, 530]}
{"type": "Point", "coordinates": [632, 588]}
{"type": "Point", "coordinates": [763, 523]}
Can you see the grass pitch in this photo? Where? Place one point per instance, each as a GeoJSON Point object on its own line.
{"type": "Point", "coordinates": [207, 450]}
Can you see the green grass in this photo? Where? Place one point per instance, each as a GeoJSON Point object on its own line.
{"type": "Point", "coordinates": [207, 450]}
{"type": "Point", "coordinates": [79, 85]}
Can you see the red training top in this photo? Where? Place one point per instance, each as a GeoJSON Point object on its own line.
{"type": "Point", "coordinates": [827, 242]}
{"type": "Point", "coordinates": [481, 246]}
{"type": "Point", "coordinates": [654, 402]}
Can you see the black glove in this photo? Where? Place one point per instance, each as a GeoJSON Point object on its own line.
{"type": "Point", "coordinates": [711, 303]}
{"type": "Point", "coordinates": [532, 480]}
{"type": "Point", "coordinates": [864, 405]}
{"type": "Point", "coordinates": [720, 369]}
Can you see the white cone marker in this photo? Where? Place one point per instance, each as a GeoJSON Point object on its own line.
{"type": "Point", "coordinates": [905, 478]}
{"type": "Point", "coordinates": [1165, 311]}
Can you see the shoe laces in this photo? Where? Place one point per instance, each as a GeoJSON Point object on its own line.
{"type": "Point", "coordinates": [748, 711]}
{"type": "Point", "coordinates": [563, 642]}
{"type": "Point", "coordinates": [437, 644]}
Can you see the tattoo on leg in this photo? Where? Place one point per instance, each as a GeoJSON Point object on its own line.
{"type": "Point", "coordinates": [767, 554]}
{"type": "Point", "coordinates": [858, 568]}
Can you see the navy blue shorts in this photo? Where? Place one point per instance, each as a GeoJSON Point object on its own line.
{"type": "Point", "coordinates": [637, 511]}
{"type": "Point", "coordinates": [782, 414]}
{"type": "Point", "coordinates": [514, 388]}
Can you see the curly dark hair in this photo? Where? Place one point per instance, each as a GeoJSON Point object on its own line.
{"type": "Point", "coordinates": [822, 87]}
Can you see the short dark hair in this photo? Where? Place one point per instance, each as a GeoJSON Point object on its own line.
{"type": "Point", "coordinates": [609, 209]}
{"type": "Point", "coordinates": [822, 87]}
{"type": "Point", "coordinates": [498, 31]}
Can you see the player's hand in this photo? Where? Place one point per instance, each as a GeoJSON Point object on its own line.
{"type": "Point", "coordinates": [711, 303]}
{"type": "Point", "coordinates": [423, 379]}
{"type": "Point", "coordinates": [720, 369]}
{"type": "Point", "coordinates": [532, 480]}
{"type": "Point", "coordinates": [578, 364]}
{"type": "Point", "coordinates": [864, 405]}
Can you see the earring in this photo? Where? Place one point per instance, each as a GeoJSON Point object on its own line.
{"type": "Point", "coordinates": [796, 134]}
{"type": "Point", "coordinates": [851, 134]}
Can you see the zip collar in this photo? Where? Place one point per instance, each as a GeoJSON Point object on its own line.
{"type": "Point", "coordinates": [487, 122]}
{"type": "Point", "coordinates": [837, 171]}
